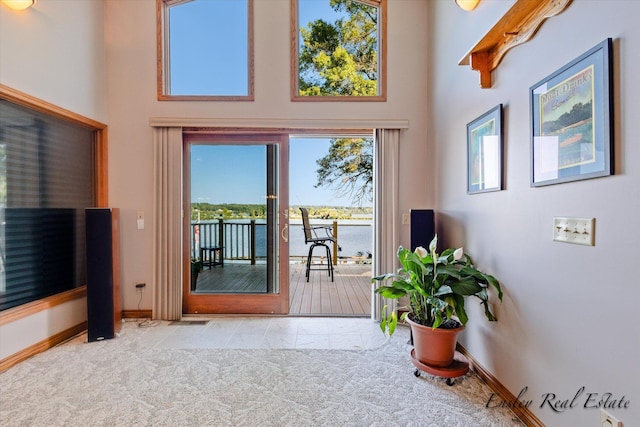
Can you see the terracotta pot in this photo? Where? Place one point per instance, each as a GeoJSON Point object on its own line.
{"type": "Point", "coordinates": [434, 347]}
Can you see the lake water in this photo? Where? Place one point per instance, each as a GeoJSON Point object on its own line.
{"type": "Point", "coordinates": [354, 237]}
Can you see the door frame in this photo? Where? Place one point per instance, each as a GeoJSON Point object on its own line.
{"type": "Point", "coordinates": [268, 303]}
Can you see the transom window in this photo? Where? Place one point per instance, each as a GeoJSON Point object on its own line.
{"type": "Point", "coordinates": [205, 49]}
{"type": "Point", "coordinates": [338, 50]}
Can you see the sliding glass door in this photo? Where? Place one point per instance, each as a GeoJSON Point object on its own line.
{"type": "Point", "coordinates": [235, 224]}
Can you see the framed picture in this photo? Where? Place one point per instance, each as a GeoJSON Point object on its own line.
{"type": "Point", "coordinates": [571, 117]}
{"type": "Point", "coordinates": [484, 152]}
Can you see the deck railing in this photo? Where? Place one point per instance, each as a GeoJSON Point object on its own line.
{"type": "Point", "coordinates": [238, 239]}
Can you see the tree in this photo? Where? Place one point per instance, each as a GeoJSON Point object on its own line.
{"type": "Point", "coordinates": [341, 58]}
{"type": "Point", "coordinates": [348, 169]}
{"type": "Point", "coordinates": [336, 60]}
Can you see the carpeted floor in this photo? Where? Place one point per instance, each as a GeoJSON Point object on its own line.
{"type": "Point", "coordinates": [125, 382]}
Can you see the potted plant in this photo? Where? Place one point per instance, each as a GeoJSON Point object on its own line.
{"type": "Point", "coordinates": [437, 286]}
{"type": "Point", "coordinates": [196, 268]}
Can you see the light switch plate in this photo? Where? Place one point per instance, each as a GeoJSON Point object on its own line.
{"type": "Point", "coordinates": [608, 420]}
{"type": "Point", "coordinates": [140, 220]}
{"type": "Point", "coordinates": [580, 231]}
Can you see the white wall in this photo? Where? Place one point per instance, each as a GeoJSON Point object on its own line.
{"type": "Point", "coordinates": [131, 71]}
{"type": "Point", "coordinates": [53, 51]}
{"type": "Point", "coordinates": [568, 318]}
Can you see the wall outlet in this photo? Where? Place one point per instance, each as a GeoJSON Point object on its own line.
{"type": "Point", "coordinates": [406, 219]}
{"type": "Point", "coordinates": [608, 420]}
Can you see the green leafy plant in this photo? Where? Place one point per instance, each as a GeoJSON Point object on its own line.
{"type": "Point", "coordinates": [437, 285]}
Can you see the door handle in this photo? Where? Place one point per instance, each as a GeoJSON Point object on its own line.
{"type": "Point", "coordinates": [285, 233]}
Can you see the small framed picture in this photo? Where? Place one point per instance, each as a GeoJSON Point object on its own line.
{"type": "Point", "coordinates": [484, 152]}
{"type": "Point", "coordinates": [572, 116]}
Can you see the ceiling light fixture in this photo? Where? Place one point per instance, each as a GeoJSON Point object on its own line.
{"type": "Point", "coordinates": [19, 4]}
{"type": "Point", "coordinates": [467, 5]}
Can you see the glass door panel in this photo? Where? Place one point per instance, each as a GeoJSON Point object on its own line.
{"type": "Point", "coordinates": [235, 232]}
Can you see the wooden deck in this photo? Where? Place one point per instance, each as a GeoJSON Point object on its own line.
{"type": "Point", "coordinates": [348, 295]}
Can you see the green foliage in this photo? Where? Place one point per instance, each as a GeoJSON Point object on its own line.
{"type": "Point", "coordinates": [389, 321]}
{"type": "Point", "coordinates": [348, 169]}
{"type": "Point", "coordinates": [340, 58]}
{"type": "Point", "coordinates": [209, 211]}
{"type": "Point", "coordinates": [579, 113]}
{"type": "Point", "coordinates": [437, 285]}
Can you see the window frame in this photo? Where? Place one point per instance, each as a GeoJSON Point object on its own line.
{"type": "Point", "coordinates": [382, 58]}
{"type": "Point", "coordinates": [162, 44]}
{"type": "Point", "coordinates": [100, 188]}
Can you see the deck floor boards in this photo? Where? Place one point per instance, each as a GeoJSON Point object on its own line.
{"type": "Point", "coordinates": [348, 295]}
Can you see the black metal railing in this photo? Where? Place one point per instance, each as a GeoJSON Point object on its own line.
{"type": "Point", "coordinates": [236, 239]}
{"type": "Point", "coordinates": [244, 240]}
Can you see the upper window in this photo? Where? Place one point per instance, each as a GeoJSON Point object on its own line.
{"type": "Point", "coordinates": [205, 49]}
{"type": "Point", "coordinates": [338, 50]}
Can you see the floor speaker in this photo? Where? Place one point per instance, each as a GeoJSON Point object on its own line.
{"type": "Point", "coordinates": [104, 304]}
{"type": "Point", "coordinates": [423, 228]}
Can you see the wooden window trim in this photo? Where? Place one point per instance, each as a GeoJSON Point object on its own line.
{"type": "Point", "coordinates": [162, 52]}
{"type": "Point", "coordinates": [33, 307]}
{"type": "Point", "coordinates": [100, 129]}
{"type": "Point", "coordinates": [382, 58]}
{"type": "Point", "coordinates": [101, 167]}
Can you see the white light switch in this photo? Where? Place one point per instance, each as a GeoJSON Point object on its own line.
{"type": "Point", "coordinates": [140, 220]}
{"type": "Point", "coordinates": [406, 219]}
{"type": "Point", "coordinates": [580, 231]}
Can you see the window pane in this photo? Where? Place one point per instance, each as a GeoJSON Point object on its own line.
{"type": "Point", "coordinates": [46, 181]}
{"type": "Point", "coordinates": [338, 48]}
{"type": "Point", "coordinates": [208, 47]}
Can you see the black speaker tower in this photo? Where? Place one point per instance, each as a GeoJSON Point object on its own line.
{"type": "Point", "coordinates": [423, 228]}
{"type": "Point", "coordinates": [104, 306]}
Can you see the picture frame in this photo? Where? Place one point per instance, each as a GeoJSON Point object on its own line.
{"type": "Point", "coordinates": [571, 120]}
{"type": "Point", "coordinates": [484, 152]}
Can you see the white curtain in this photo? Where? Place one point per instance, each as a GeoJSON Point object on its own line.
{"type": "Point", "coordinates": [385, 205]}
{"type": "Point", "coordinates": [167, 223]}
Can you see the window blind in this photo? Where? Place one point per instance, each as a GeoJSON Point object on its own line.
{"type": "Point", "coordinates": [47, 179]}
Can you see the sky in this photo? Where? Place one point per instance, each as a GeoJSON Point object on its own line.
{"type": "Point", "coordinates": [219, 29]}
{"type": "Point", "coordinates": [241, 170]}
{"type": "Point", "coordinates": [226, 174]}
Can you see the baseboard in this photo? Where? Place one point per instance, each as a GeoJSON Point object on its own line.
{"type": "Point", "coordinates": [136, 314]}
{"type": "Point", "coordinates": [43, 345]}
{"type": "Point", "coordinates": [524, 414]}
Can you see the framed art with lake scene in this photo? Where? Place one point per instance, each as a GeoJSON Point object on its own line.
{"type": "Point", "coordinates": [484, 152]}
{"type": "Point", "coordinates": [572, 117]}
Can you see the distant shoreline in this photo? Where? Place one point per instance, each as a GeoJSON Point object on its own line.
{"type": "Point", "coordinates": [231, 211]}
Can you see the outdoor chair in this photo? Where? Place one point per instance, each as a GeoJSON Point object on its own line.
{"type": "Point", "coordinates": [311, 236]}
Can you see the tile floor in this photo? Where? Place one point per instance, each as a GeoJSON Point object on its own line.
{"type": "Point", "coordinates": [265, 332]}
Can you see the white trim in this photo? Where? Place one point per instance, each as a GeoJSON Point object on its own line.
{"type": "Point", "coordinates": [328, 124]}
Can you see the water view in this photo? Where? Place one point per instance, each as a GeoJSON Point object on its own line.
{"type": "Point", "coordinates": [354, 237]}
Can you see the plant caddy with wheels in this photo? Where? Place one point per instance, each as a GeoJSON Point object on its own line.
{"type": "Point", "coordinates": [437, 286]}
